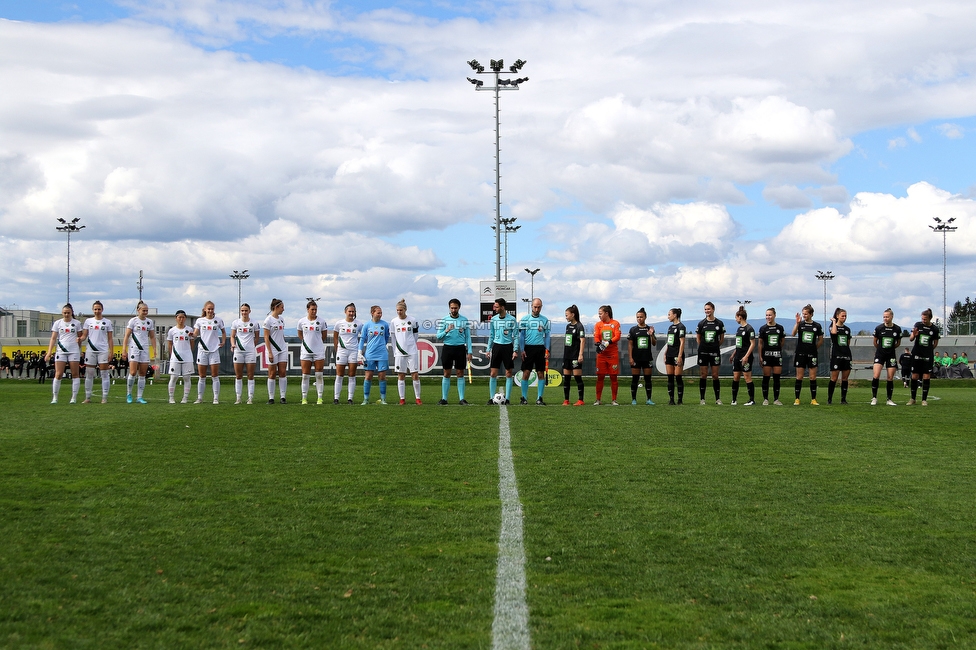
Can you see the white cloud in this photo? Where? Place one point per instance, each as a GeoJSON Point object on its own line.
{"type": "Point", "coordinates": [880, 229]}
{"type": "Point", "coordinates": [913, 134]}
{"type": "Point", "coordinates": [951, 131]}
{"type": "Point", "coordinates": [788, 197]}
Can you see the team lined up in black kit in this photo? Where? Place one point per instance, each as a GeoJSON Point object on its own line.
{"type": "Point", "coordinates": [768, 343]}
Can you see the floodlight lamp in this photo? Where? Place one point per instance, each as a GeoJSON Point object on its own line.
{"type": "Point", "coordinates": [504, 82]}
{"type": "Point", "coordinates": [76, 220]}
{"type": "Point", "coordinates": [951, 220]}
{"type": "Point", "coordinates": [477, 82]}
{"type": "Point", "coordinates": [62, 220]}
{"type": "Point", "coordinates": [497, 66]}
{"type": "Point", "coordinates": [517, 66]}
{"type": "Point", "coordinates": [519, 81]}
{"type": "Point", "coordinates": [477, 67]}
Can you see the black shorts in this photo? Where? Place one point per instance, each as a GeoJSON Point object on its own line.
{"type": "Point", "coordinates": [501, 355]}
{"type": "Point", "coordinates": [840, 364]}
{"type": "Point", "coordinates": [745, 365]}
{"type": "Point", "coordinates": [641, 364]}
{"type": "Point", "coordinates": [535, 358]}
{"type": "Point", "coordinates": [922, 365]}
{"type": "Point", "coordinates": [804, 360]}
{"type": "Point", "coordinates": [568, 364]}
{"type": "Point", "coordinates": [772, 358]}
{"type": "Point", "coordinates": [887, 362]}
{"type": "Point", "coordinates": [671, 360]}
{"type": "Point", "coordinates": [709, 359]}
{"type": "Point", "coordinates": [455, 356]}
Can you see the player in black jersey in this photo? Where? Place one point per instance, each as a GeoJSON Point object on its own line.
{"type": "Point", "coordinates": [925, 334]}
{"type": "Point", "coordinates": [809, 338]}
{"type": "Point", "coordinates": [840, 355]}
{"type": "Point", "coordinates": [710, 335]}
{"type": "Point", "coordinates": [674, 356]}
{"type": "Point", "coordinates": [641, 342]}
{"type": "Point", "coordinates": [887, 338]}
{"type": "Point", "coordinates": [770, 339]}
{"type": "Point", "coordinates": [745, 343]}
{"type": "Point", "coordinates": [573, 354]}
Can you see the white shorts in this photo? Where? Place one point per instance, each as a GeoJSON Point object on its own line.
{"type": "Point", "coordinates": [180, 368]}
{"type": "Point", "coordinates": [205, 358]}
{"type": "Point", "coordinates": [312, 356]}
{"type": "Point", "coordinates": [139, 356]}
{"type": "Point", "coordinates": [409, 363]}
{"type": "Point", "coordinates": [66, 357]}
{"type": "Point", "coordinates": [93, 358]}
{"type": "Point", "coordinates": [274, 357]}
{"type": "Point", "coordinates": [245, 356]}
{"type": "Point", "coordinates": [345, 356]}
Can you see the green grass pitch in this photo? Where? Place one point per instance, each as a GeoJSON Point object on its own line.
{"type": "Point", "coordinates": [165, 526]}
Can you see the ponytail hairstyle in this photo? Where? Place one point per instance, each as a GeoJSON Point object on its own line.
{"type": "Point", "coordinates": [203, 312]}
{"type": "Point", "coordinates": [99, 303]}
{"type": "Point", "coordinates": [139, 305]}
{"type": "Point", "coordinates": [243, 305]}
{"type": "Point", "coordinates": [809, 308]}
{"type": "Point", "coordinates": [310, 304]}
{"type": "Point", "coordinates": [402, 303]}
{"type": "Point", "coordinates": [928, 312]}
{"type": "Point", "coordinates": [888, 311]}
{"type": "Point", "coordinates": [772, 309]}
{"type": "Point", "coordinates": [741, 313]}
{"type": "Point", "coordinates": [838, 311]}
{"type": "Point", "coordinates": [574, 310]}
{"type": "Point", "coordinates": [677, 312]}
{"type": "Point", "coordinates": [641, 311]}
{"type": "Point", "coordinates": [67, 305]}
{"type": "Point", "coordinates": [372, 310]}
{"type": "Point", "coordinates": [608, 309]}
{"type": "Point", "coordinates": [352, 304]}
{"type": "Point", "coordinates": [274, 303]}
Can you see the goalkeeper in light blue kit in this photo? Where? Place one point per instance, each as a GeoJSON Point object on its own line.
{"type": "Point", "coordinates": [534, 340]}
{"type": "Point", "coordinates": [455, 331]}
{"type": "Point", "coordinates": [373, 341]}
{"type": "Point", "coordinates": [502, 347]}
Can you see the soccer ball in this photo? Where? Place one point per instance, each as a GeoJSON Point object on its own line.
{"type": "Point", "coordinates": [499, 398]}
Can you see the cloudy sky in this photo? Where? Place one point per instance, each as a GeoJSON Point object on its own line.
{"type": "Point", "coordinates": [662, 153]}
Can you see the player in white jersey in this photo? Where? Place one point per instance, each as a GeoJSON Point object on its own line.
{"type": "Point", "coordinates": [312, 331]}
{"type": "Point", "coordinates": [345, 342]}
{"type": "Point", "coordinates": [211, 335]}
{"type": "Point", "coordinates": [179, 340]}
{"type": "Point", "coordinates": [242, 332]}
{"type": "Point", "coordinates": [276, 350]}
{"type": "Point", "coordinates": [66, 336]}
{"type": "Point", "coordinates": [139, 345]}
{"type": "Point", "coordinates": [406, 357]}
{"type": "Point", "coordinates": [97, 331]}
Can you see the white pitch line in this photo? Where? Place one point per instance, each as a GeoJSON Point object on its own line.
{"type": "Point", "coordinates": [510, 629]}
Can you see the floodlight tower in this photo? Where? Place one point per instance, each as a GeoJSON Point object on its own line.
{"type": "Point", "coordinates": [532, 273]}
{"type": "Point", "coordinates": [825, 276]}
{"type": "Point", "coordinates": [508, 228]}
{"type": "Point", "coordinates": [240, 276]}
{"type": "Point", "coordinates": [69, 227]}
{"type": "Point", "coordinates": [500, 85]}
{"type": "Point", "coordinates": [945, 229]}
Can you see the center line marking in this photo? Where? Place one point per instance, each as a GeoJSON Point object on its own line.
{"type": "Point", "coordinates": [510, 628]}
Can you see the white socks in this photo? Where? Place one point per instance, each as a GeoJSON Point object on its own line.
{"type": "Point", "coordinates": [283, 386]}
{"type": "Point", "coordinates": [305, 379]}
{"type": "Point", "coordinates": [319, 384]}
{"type": "Point", "coordinates": [106, 382]}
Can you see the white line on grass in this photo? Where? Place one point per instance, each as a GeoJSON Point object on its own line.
{"type": "Point", "coordinates": [510, 629]}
